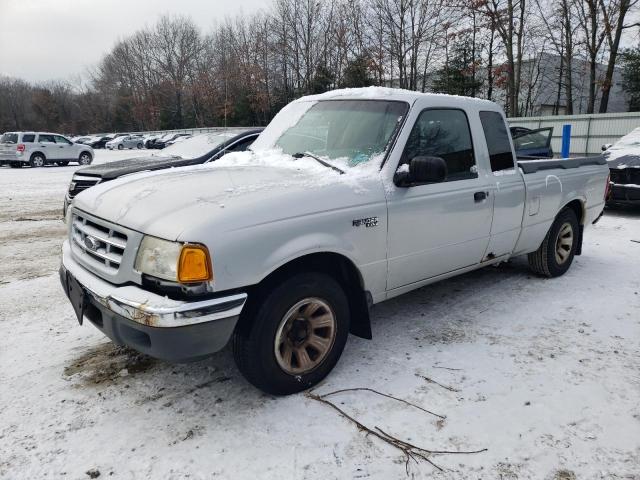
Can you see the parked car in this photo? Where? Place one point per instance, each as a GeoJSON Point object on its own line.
{"type": "Point", "coordinates": [149, 138]}
{"type": "Point", "coordinates": [162, 141]}
{"type": "Point", "coordinates": [125, 141]}
{"type": "Point", "coordinates": [194, 151]}
{"type": "Point", "coordinates": [623, 159]}
{"type": "Point", "coordinates": [532, 143]}
{"type": "Point", "coordinates": [98, 142]}
{"type": "Point", "coordinates": [82, 140]}
{"type": "Point", "coordinates": [179, 139]}
{"type": "Point", "coordinates": [37, 149]}
{"type": "Point", "coordinates": [346, 199]}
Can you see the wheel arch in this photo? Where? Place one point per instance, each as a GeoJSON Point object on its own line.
{"type": "Point", "coordinates": [36, 153]}
{"type": "Point", "coordinates": [338, 266]}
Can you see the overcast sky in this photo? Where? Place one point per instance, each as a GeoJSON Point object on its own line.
{"type": "Point", "coordinates": [57, 39]}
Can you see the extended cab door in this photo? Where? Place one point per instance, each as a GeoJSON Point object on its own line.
{"type": "Point", "coordinates": [508, 185]}
{"type": "Point", "coordinates": [439, 227]}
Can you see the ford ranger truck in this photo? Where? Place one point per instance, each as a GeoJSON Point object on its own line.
{"type": "Point", "coordinates": [345, 200]}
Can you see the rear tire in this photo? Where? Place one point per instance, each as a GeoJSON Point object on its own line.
{"type": "Point", "coordinates": [308, 312]}
{"type": "Point", "coordinates": [85, 158]}
{"type": "Point", "coordinates": [62, 164]}
{"type": "Point", "coordinates": [37, 160]}
{"type": "Point", "coordinates": [555, 255]}
{"type": "Point", "coordinates": [15, 164]}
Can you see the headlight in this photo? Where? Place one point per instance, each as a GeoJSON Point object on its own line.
{"type": "Point", "coordinates": [185, 263]}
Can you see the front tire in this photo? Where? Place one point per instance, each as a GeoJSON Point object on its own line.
{"type": "Point", "coordinates": [294, 336]}
{"type": "Point", "coordinates": [120, 147]}
{"type": "Point", "coordinates": [139, 146]}
{"type": "Point", "coordinates": [555, 255]}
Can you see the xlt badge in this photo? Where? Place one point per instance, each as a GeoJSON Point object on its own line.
{"type": "Point", "coordinates": [367, 222]}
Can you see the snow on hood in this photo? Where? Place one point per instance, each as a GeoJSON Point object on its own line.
{"type": "Point", "coordinates": [239, 190]}
{"type": "Point", "coordinates": [625, 152]}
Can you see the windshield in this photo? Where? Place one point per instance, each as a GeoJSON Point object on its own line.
{"type": "Point", "coordinates": [349, 130]}
{"type": "Point", "coordinates": [9, 138]}
{"type": "Point", "coordinates": [196, 146]}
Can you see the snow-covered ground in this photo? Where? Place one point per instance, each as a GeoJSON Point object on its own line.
{"type": "Point", "coordinates": [545, 374]}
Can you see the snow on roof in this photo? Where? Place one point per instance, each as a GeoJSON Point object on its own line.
{"type": "Point", "coordinates": [629, 145]}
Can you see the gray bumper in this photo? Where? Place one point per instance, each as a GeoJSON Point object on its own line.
{"type": "Point", "coordinates": [152, 324]}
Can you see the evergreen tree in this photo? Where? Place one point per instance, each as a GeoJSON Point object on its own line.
{"type": "Point", "coordinates": [357, 73]}
{"type": "Point", "coordinates": [456, 76]}
{"type": "Point", "coordinates": [631, 77]}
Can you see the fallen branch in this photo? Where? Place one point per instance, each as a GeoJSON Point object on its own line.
{"type": "Point", "coordinates": [365, 389]}
{"type": "Point", "coordinates": [410, 451]}
{"type": "Point", "coordinates": [448, 368]}
{"type": "Point", "coordinates": [431, 380]}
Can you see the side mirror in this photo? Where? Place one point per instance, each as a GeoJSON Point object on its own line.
{"type": "Point", "coordinates": [606, 146]}
{"type": "Point", "coordinates": [421, 170]}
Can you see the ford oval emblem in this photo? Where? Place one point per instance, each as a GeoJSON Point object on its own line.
{"type": "Point", "coordinates": [91, 243]}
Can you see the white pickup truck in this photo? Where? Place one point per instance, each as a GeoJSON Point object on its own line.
{"type": "Point", "coordinates": [346, 199]}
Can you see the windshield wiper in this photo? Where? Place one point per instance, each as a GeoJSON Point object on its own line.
{"type": "Point", "coordinates": [318, 159]}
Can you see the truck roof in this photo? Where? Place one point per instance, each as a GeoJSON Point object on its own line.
{"type": "Point", "coordinates": [385, 93]}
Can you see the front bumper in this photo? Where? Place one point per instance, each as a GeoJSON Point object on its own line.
{"type": "Point", "coordinates": [624, 194]}
{"type": "Point", "coordinates": [167, 329]}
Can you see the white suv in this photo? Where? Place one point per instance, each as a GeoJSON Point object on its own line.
{"type": "Point", "coordinates": [40, 148]}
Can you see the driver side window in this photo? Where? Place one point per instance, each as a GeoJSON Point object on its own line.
{"type": "Point", "coordinates": [443, 133]}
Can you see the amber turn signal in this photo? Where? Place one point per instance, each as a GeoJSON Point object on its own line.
{"type": "Point", "coordinates": [194, 264]}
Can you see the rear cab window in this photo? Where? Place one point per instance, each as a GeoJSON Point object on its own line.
{"type": "Point", "coordinates": [443, 133]}
{"type": "Point", "coordinates": [496, 135]}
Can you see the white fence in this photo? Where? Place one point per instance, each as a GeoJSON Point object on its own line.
{"type": "Point", "coordinates": [588, 132]}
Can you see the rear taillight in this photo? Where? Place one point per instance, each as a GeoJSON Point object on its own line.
{"type": "Point", "coordinates": [607, 188]}
{"type": "Point", "coordinates": [20, 147]}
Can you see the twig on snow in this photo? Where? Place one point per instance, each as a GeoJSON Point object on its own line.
{"type": "Point", "coordinates": [410, 451]}
{"type": "Point", "coordinates": [431, 380]}
{"type": "Point", "coordinates": [448, 368]}
{"type": "Point", "coordinates": [365, 389]}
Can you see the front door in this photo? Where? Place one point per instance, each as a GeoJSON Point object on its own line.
{"type": "Point", "coordinates": [64, 148]}
{"type": "Point", "coordinates": [439, 227]}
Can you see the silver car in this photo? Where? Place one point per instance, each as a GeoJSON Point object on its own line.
{"type": "Point", "coordinates": [38, 149]}
{"type": "Point", "coordinates": [126, 141]}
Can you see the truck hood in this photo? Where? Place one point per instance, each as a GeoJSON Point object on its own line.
{"type": "Point", "coordinates": [178, 204]}
{"type": "Point", "coordinates": [111, 170]}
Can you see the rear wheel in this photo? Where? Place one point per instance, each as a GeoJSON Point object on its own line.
{"type": "Point", "coordinates": [15, 164]}
{"type": "Point", "coordinates": [555, 255]}
{"type": "Point", "coordinates": [295, 336]}
{"type": "Point", "coordinates": [85, 158]}
{"type": "Point", "coordinates": [37, 160]}
{"type": "Point", "coordinates": [62, 164]}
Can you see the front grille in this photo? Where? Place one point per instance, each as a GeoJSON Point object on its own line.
{"type": "Point", "coordinates": [80, 184]}
{"type": "Point", "coordinates": [98, 243]}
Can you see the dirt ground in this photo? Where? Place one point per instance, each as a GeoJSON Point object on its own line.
{"type": "Point", "coordinates": [544, 374]}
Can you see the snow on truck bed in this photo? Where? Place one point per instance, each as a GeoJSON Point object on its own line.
{"type": "Point", "coordinates": [542, 373]}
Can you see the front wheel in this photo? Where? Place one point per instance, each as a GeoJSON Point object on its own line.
{"type": "Point", "coordinates": [295, 336]}
{"type": "Point", "coordinates": [555, 255]}
{"type": "Point", "coordinates": [139, 146]}
{"type": "Point", "coordinates": [120, 147]}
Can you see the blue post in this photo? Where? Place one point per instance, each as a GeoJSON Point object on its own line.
{"type": "Point", "coordinates": [566, 140]}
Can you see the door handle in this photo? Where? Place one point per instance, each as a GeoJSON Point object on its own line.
{"type": "Point", "coordinates": [480, 196]}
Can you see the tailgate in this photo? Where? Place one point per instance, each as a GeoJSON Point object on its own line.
{"type": "Point", "coordinates": [8, 151]}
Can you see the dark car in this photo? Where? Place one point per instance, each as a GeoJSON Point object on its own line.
{"type": "Point", "coordinates": [163, 141]}
{"type": "Point", "coordinates": [623, 159]}
{"type": "Point", "coordinates": [532, 143]}
{"type": "Point", "coordinates": [199, 149]}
